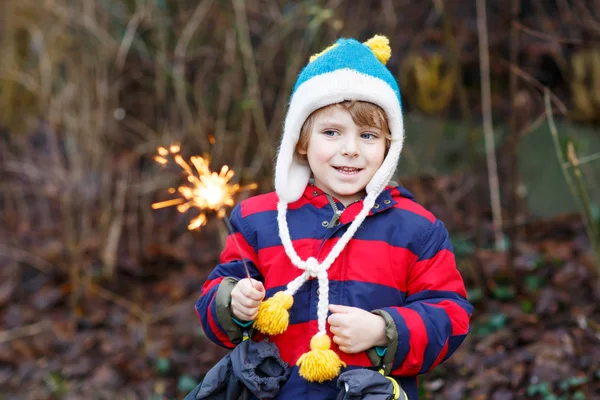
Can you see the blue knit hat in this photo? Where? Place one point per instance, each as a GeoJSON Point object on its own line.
{"type": "Point", "coordinates": [347, 70]}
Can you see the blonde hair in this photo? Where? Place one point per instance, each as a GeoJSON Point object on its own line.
{"type": "Point", "coordinates": [363, 114]}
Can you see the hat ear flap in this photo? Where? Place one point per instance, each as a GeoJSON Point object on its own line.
{"type": "Point", "coordinates": [380, 46]}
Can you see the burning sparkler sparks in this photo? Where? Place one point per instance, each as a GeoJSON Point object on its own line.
{"type": "Point", "coordinates": [205, 190]}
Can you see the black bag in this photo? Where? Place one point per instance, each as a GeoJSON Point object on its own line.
{"type": "Point", "coordinates": [366, 384]}
{"type": "Point", "coordinates": [252, 370]}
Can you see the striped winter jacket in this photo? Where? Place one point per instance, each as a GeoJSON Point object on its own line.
{"type": "Point", "coordinates": [399, 264]}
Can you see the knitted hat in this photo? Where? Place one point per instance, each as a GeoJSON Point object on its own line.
{"type": "Point", "coordinates": [347, 70]}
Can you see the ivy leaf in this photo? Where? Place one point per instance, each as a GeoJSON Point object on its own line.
{"type": "Point", "coordinates": [186, 384]}
{"type": "Point", "coordinates": [504, 292]}
{"type": "Point", "coordinates": [533, 282]}
{"type": "Point", "coordinates": [162, 366]}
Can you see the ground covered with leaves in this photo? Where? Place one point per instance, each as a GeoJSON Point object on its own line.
{"type": "Point", "coordinates": [535, 330]}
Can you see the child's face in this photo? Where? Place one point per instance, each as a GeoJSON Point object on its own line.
{"type": "Point", "coordinates": [343, 156]}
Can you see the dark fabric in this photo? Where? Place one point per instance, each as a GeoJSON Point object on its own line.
{"type": "Point", "coordinates": [392, 344]}
{"type": "Point", "coordinates": [364, 384]}
{"type": "Point", "coordinates": [224, 315]}
{"type": "Point", "coordinates": [252, 370]}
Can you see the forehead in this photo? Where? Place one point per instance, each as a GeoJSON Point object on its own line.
{"type": "Point", "coordinates": [332, 113]}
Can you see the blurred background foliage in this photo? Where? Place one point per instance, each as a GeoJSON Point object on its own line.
{"type": "Point", "coordinates": [90, 88]}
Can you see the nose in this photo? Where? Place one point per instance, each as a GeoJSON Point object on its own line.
{"type": "Point", "coordinates": [350, 147]}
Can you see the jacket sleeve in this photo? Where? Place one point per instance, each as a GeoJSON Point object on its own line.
{"type": "Point", "coordinates": [213, 307]}
{"type": "Point", "coordinates": [434, 320]}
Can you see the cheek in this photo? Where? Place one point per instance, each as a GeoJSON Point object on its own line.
{"type": "Point", "coordinates": [318, 152]}
{"type": "Point", "coordinates": [377, 153]}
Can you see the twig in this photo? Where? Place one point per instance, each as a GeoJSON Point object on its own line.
{"type": "Point", "coordinates": [525, 76]}
{"type": "Point", "coordinates": [584, 160]}
{"type": "Point", "coordinates": [488, 129]}
{"type": "Point", "coordinates": [534, 125]}
{"type": "Point", "coordinates": [128, 37]}
{"type": "Point", "coordinates": [559, 154]}
{"type": "Point", "coordinates": [130, 306]}
{"type": "Point", "coordinates": [232, 233]}
{"type": "Point", "coordinates": [109, 255]}
{"type": "Point", "coordinates": [512, 144]}
{"type": "Point", "coordinates": [545, 36]}
{"type": "Point", "coordinates": [179, 69]}
{"type": "Point", "coordinates": [587, 207]}
{"type": "Point", "coordinates": [26, 258]}
{"type": "Point", "coordinates": [24, 331]}
{"type": "Point", "coordinates": [461, 91]}
{"type": "Point", "coordinates": [561, 158]}
{"type": "Point", "coordinates": [265, 147]}
{"type": "Point", "coordinates": [225, 96]}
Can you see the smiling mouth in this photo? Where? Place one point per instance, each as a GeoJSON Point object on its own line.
{"type": "Point", "coordinates": [348, 170]}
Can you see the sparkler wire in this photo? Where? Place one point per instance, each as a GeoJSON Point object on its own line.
{"type": "Point", "coordinates": [231, 232]}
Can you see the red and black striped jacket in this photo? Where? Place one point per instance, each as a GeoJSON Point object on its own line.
{"type": "Point", "coordinates": [400, 261]}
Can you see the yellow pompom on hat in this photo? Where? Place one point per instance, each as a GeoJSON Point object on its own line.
{"type": "Point", "coordinates": [347, 70]}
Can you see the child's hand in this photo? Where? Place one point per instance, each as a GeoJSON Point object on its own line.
{"type": "Point", "coordinates": [245, 299]}
{"type": "Point", "coordinates": [355, 329]}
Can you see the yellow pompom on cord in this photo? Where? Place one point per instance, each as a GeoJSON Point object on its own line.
{"type": "Point", "coordinates": [380, 46]}
{"type": "Point", "coordinates": [273, 316]}
{"type": "Point", "coordinates": [321, 363]}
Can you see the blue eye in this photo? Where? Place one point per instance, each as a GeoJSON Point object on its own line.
{"type": "Point", "coordinates": [329, 132]}
{"type": "Point", "coordinates": [368, 135]}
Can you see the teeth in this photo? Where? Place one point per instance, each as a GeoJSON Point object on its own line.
{"type": "Point", "coordinates": [347, 169]}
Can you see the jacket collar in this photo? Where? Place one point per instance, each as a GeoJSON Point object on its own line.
{"type": "Point", "coordinates": [387, 199]}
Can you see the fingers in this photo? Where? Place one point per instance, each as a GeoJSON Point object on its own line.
{"type": "Point", "coordinates": [253, 289]}
{"type": "Point", "coordinates": [244, 308]}
{"type": "Point", "coordinates": [340, 319]}
{"type": "Point", "coordinates": [344, 344]}
{"type": "Point", "coordinates": [245, 299]}
{"type": "Point", "coordinates": [244, 314]}
{"type": "Point", "coordinates": [347, 350]}
{"type": "Point", "coordinates": [258, 285]}
{"type": "Point", "coordinates": [335, 320]}
{"type": "Point", "coordinates": [246, 302]}
{"type": "Point", "coordinates": [336, 308]}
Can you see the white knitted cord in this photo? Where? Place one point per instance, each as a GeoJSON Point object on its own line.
{"type": "Point", "coordinates": [311, 266]}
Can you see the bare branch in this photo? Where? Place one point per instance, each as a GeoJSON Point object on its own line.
{"type": "Point", "coordinates": [488, 129]}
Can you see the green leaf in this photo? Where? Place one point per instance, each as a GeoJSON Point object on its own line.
{"type": "Point", "coordinates": [539, 262]}
{"type": "Point", "coordinates": [497, 321]}
{"type": "Point", "coordinates": [532, 390]}
{"type": "Point", "coordinates": [56, 384]}
{"type": "Point", "coordinates": [474, 295]}
{"type": "Point", "coordinates": [542, 388]}
{"type": "Point", "coordinates": [576, 381]}
{"type": "Point", "coordinates": [162, 366]}
{"type": "Point", "coordinates": [526, 305]}
{"type": "Point", "coordinates": [579, 395]}
{"type": "Point", "coordinates": [504, 292]}
{"type": "Point", "coordinates": [533, 282]}
{"type": "Point", "coordinates": [462, 247]}
{"type": "Point", "coordinates": [186, 384]}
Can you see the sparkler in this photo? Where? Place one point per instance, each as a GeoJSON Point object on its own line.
{"type": "Point", "coordinates": [204, 190]}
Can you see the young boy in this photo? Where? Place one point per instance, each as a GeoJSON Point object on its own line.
{"type": "Point", "coordinates": [351, 255]}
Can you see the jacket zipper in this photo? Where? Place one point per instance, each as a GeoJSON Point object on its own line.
{"type": "Point", "coordinates": [336, 213]}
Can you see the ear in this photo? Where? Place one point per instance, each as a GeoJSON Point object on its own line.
{"type": "Point", "coordinates": [302, 152]}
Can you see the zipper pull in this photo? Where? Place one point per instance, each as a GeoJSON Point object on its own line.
{"type": "Point", "coordinates": [335, 220]}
